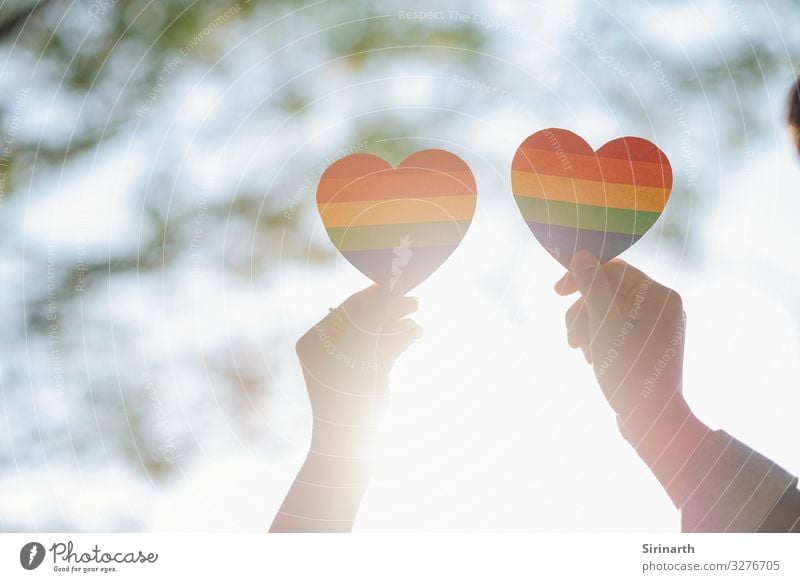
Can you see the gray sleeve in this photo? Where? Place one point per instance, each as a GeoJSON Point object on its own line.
{"type": "Point", "coordinates": [728, 487]}
{"type": "Point", "coordinates": [785, 516]}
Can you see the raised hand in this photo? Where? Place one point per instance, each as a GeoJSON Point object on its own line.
{"type": "Point", "coordinates": [631, 329]}
{"type": "Point", "coordinates": [346, 360]}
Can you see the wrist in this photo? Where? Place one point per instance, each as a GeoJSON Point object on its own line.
{"type": "Point", "coordinates": [348, 403]}
{"type": "Point", "coordinates": [666, 442]}
{"type": "Point", "coordinates": [674, 435]}
{"type": "Point", "coordinates": [650, 415]}
{"type": "Point", "coordinates": [354, 441]}
{"type": "Point", "coordinates": [339, 455]}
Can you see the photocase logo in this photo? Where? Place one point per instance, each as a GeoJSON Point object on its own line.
{"type": "Point", "coordinates": [31, 555]}
{"type": "Point", "coordinates": [69, 559]}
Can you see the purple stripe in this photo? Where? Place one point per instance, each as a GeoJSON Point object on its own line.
{"type": "Point", "coordinates": [399, 270]}
{"type": "Point", "coordinates": [564, 241]}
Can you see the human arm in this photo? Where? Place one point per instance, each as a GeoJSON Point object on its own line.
{"type": "Point", "coordinates": [346, 360]}
{"type": "Point", "coordinates": [632, 330]}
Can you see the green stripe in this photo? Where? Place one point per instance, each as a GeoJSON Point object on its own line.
{"type": "Point", "coordinates": [387, 236]}
{"type": "Point", "coordinates": [621, 220]}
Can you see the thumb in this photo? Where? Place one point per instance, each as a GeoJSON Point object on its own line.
{"type": "Point", "coordinates": [592, 282]}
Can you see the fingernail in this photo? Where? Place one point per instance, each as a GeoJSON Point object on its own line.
{"type": "Point", "coordinates": [419, 332]}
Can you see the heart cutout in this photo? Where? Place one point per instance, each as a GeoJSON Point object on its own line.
{"type": "Point", "coordinates": [397, 226]}
{"type": "Point", "coordinates": [574, 198]}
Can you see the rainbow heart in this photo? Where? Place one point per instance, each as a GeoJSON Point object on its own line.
{"type": "Point", "coordinates": [574, 198]}
{"type": "Point", "coordinates": [397, 226]}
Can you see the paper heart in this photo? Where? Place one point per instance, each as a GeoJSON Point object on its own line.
{"type": "Point", "coordinates": [397, 226]}
{"type": "Point", "coordinates": [575, 198]}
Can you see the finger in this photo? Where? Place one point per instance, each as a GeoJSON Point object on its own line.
{"type": "Point", "coordinates": [397, 336]}
{"type": "Point", "coordinates": [577, 321]}
{"type": "Point", "coordinates": [401, 327]}
{"type": "Point", "coordinates": [623, 429]}
{"type": "Point", "coordinates": [624, 278]}
{"type": "Point", "coordinates": [370, 308]}
{"type": "Point", "coordinates": [572, 312]}
{"type": "Point", "coordinates": [578, 334]}
{"type": "Point", "coordinates": [587, 355]}
{"type": "Point", "coordinates": [591, 280]}
{"type": "Point", "coordinates": [565, 285]}
{"type": "Point", "coordinates": [404, 306]}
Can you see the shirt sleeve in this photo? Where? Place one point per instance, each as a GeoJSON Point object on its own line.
{"type": "Point", "coordinates": [728, 487]}
{"type": "Point", "coordinates": [785, 516]}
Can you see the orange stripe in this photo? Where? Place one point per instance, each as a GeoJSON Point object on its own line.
{"type": "Point", "coordinates": [591, 167]}
{"type": "Point", "coordinates": [595, 193]}
{"type": "Point", "coordinates": [399, 183]}
{"type": "Point", "coordinates": [407, 210]}
{"type": "Point", "coordinates": [556, 163]}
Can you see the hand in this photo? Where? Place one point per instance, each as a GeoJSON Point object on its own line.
{"type": "Point", "coordinates": [631, 329]}
{"type": "Point", "coordinates": [346, 360]}
{"type": "Point", "coordinates": [347, 356]}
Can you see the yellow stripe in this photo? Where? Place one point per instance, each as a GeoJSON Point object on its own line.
{"type": "Point", "coordinates": [560, 189]}
{"type": "Point", "coordinates": [405, 210]}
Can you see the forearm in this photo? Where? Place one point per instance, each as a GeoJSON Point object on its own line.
{"type": "Point", "coordinates": [718, 483]}
{"type": "Point", "coordinates": [729, 487]}
{"type": "Point", "coordinates": [328, 489]}
{"type": "Point", "coordinates": [346, 360]}
{"type": "Point", "coordinates": [666, 442]}
{"type": "Point", "coordinates": [324, 496]}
